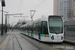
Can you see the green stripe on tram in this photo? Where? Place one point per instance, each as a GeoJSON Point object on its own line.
{"type": "Point", "coordinates": [44, 35]}
{"type": "Point", "coordinates": [35, 33]}
{"type": "Point", "coordinates": [37, 21]}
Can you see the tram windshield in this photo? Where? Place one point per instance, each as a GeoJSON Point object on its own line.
{"type": "Point", "coordinates": [55, 25]}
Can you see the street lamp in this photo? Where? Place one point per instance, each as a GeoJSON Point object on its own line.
{"type": "Point", "coordinates": [5, 20]}
{"type": "Point", "coordinates": [32, 12]}
{"type": "Point", "coordinates": [3, 5]}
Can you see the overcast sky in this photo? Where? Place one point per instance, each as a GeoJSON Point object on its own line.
{"type": "Point", "coordinates": [42, 7]}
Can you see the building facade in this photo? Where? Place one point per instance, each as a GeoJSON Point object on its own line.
{"type": "Point", "coordinates": [73, 9]}
{"type": "Point", "coordinates": [63, 8]}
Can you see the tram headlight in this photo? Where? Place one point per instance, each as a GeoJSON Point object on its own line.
{"type": "Point", "coordinates": [62, 37]}
{"type": "Point", "coordinates": [52, 37]}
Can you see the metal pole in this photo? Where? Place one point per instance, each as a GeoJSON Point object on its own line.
{"type": "Point", "coordinates": [2, 22]}
{"type": "Point", "coordinates": [32, 14]}
{"type": "Point", "coordinates": [32, 19]}
{"type": "Point", "coordinates": [5, 23]}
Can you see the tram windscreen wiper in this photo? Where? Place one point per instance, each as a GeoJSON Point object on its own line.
{"type": "Point", "coordinates": [54, 30]}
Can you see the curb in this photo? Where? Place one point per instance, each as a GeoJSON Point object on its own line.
{"type": "Point", "coordinates": [69, 42]}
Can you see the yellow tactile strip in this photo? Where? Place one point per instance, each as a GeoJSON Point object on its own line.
{"type": "Point", "coordinates": [4, 43]}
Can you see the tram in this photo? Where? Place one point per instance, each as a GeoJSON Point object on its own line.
{"type": "Point", "coordinates": [46, 29]}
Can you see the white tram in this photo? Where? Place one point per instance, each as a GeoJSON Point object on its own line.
{"type": "Point", "coordinates": [46, 29]}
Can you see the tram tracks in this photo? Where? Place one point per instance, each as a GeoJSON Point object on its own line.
{"type": "Point", "coordinates": [30, 42]}
{"type": "Point", "coordinates": [18, 37]}
{"type": "Point", "coordinates": [18, 43]}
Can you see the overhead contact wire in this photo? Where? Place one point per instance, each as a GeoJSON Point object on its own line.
{"type": "Point", "coordinates": [19, 6]}
{"type": "Point", "coordinates": [39, 4]}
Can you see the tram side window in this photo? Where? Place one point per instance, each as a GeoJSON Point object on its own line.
{"type": "Point", "coordinates": [31, 29]}
{"type": "Point", "coordinates": [44, 27]}
{"type": "Point", "coordinates": [22, 28]}
{"type": "Point", "coordinates": [0, 27]}
{"type": "Point", "coordinates": [28, 28]}
{"type": "Point", "coordinates": [25, 27]}
{"type": "Point", "coordinates": [34, 27]}
{"type": "Point", "coordinates": [39, 27]}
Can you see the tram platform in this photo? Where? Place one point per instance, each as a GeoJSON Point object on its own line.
{"type": "Point", "coordinates": [2, 39]}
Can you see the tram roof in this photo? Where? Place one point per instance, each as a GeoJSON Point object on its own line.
{"type": "Point", "coordinates": [44, 18]}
